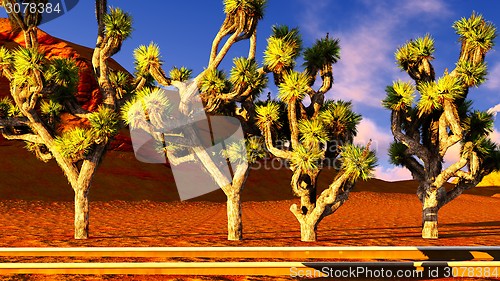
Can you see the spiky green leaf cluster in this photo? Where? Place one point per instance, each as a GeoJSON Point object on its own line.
{"type": "Point", "coordinates": [413, 51]}
{"type": "Point", "coordinates": [491, 160]}
{"type": "Point", "coordinates": [477, 124]}
{"type": "Point", "coordinates": [324, 52]}
{"type": "Point", "coordinates": [180, 74]}
{"type": "Point", "coordinates": [63, 72]}
{"type": "Point", "coordinates": [5, 106]}
{"type": "Point", "coordinates": [118, 24]}
{"type": "Point", "coordinates": [104, 123]}
{"type": "Point", "coordinates": [449, 87]}
{"type": "Point", "coordinates": [74, 144]}
{"type": "Point", "coordinates": [475, 31]}
{"type": "Point", "coordinates": [50, 109]}
{"type": "Point", "coordinates": [290, 35]}
{"type": "Point", "coordinates": [312, 133]}
{"type": "Point", "coordinates": [214, 82]}
{"type": "Point", "coordinates": [245, 74]}
{"type": "Point", "coordinates": [6, 58]}
{"type": "Point", "coordinates": [294, 87]}
{"type": "Point", "coordinates": [26, 62]}
{"type": "Point", "coordinates": [149, 104]}
{"type": "Point", "coordinates": [252, 8]}
{"type": "Point", "coordinates": [121, 83]}
{"type": "Point", "coordinates": [433, 94]}
{"type": "Point", "coordinates": [400, 96]}
{"type": "Point", "coordinates": [471, 74]}
{"type": "Point", "coordinates": [31, 147]}
{"type": "Point", "coordinates": [146, 57]}
{"type": "Point", "coordinates": [340, 119]}
{"type": "Point", "coordinates": [119, 79]}
{"type": "Point", "coordinates": [134, 114]}
{"type": "Point", "coordinates": [268, 114]}
{"type": "Point", "coordinates": [158, 107]}
{"type": "Point", "coordinates": [397, 153]}
{"type": "Point", "coordinates": [14, 111]}
{"type": "Point", "coordinates": [236, 152]}
{"type": "Point", "coordinates": [358, 162]}
{"type": "Point", "coordinates": [256, 149]}
{"type": "Point", "coordinates": [306, 159]}
{"type": "Point", "coordinates": [430, 99]}
{"type": "Point", "coordinates": [282, 49]}
{"type": "Point", "coordinates": [483, 147]}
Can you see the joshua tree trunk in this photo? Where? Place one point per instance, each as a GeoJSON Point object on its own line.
{"type": "Point", "coordinates": [82, 188]}
{"type": "Point", "coordinates": [81, 213]}
{"type": "Point", "coordinates": [234, 223]}
{"type": "Point", "coordinates": [430, 215]}
{"type": "Point", "coordinates": [327, 203]}
{"type": "Point", "coordinates": [308, 230]}
{"type": "Point", "coordinates": [307, 203]}
{"type": "Point", "coordinates": [305, 186]}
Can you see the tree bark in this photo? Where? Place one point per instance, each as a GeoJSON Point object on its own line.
{"type": "Point", "coordinates": [430, 215]}
{"type": "Point", "coordinates": [306, 203]}
{"type": "Point", "coordinates": [81, 213]}
{"type": "Point", "coordinates": [308, 231]}
{"type": "Point", "coordinates": [234, 222]}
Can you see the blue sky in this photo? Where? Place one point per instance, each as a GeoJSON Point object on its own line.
{"type": "Point", "coordinates": [369, 32]}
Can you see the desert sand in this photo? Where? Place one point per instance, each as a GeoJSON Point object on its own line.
{"type": "Point", "coordinates": [136, 205]}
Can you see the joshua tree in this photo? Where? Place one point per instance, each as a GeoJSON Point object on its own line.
{"type": "Point", "coordinates": [236, 96]}
{"type": "Point", "coordinates": [150, 110]}
{"type": "Point", "coordinates": [441, 118]}
{"type": "Point", "coordinates": [42, 89]}
{"type": "Point", "coordinates": [320, 133]}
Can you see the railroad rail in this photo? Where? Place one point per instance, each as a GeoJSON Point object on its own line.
{"type": "Point", "coordinates": [420, 259]}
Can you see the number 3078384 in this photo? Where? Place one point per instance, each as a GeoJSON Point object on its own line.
{"type": "Point", "coordinates": [41, 8]}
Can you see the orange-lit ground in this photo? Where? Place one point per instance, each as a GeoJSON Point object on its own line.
{"type": "Point", "coordinates": [366, 219]}
{"type": "Point", "coordinates": [388, 219]}
{"type": "Point", "coordinates": [36, 210]}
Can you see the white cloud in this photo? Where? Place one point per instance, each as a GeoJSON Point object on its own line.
{"type": "Point", "coordinates": [426, 7]}
{"type": "Point", "coordinates": [392, 173]}
{"type": "Point", "coordinates": [452, 155]}
{"type": "Point", "coordinates": [313, 26]}
{"type": "Point", "coordinates": [368, 130]}
{"type": "Point", "coordinates": [493, 83]}
{"type": "Point", "coordinates": [364, 55]}
{"type": "Point", "coordinates": [495, 136]}
{"type": "Point", "coordinates": [495, 109]}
